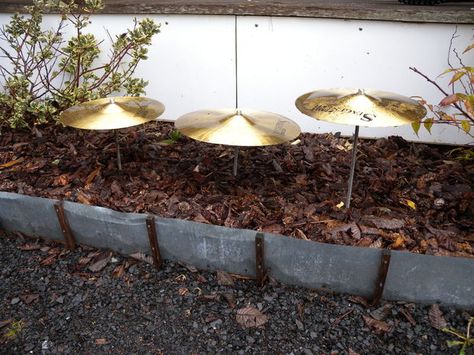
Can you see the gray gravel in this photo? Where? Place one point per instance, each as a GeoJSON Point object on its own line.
{"type": "Point", "coordinates": [66, 308]}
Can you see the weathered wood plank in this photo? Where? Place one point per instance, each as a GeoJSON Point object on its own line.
{"type": "Point", "coordinates": [389, 10]}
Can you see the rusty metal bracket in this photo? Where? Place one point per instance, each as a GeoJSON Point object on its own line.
{"type": "Point", "coordinates": [259, 259]}
{"type": "Point", "coordinates": [65, 227]}
{"type": "Point", "coordinates": [383, 271]}
{"type": "Point", "coordinates": [153, 238]}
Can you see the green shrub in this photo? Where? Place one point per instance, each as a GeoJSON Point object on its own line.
{"type": "Point", "coordinates": [47, 72]}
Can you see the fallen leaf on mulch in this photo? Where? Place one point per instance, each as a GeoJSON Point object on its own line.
{"type": "Point", "coordinates": [99, 265]}
{"type": "Point", "coordinates": [359, 300]}
{"type": "Point", "coordinates": [183, 291]}
{"type": "Point", "coordinates": [378, 326]}
{"type": "Point", "coordinates": [49, 260]}
{"type": "Point", "coordinates": [29, 297]}
{"type": "Point", "coordinates": [11, 163]}
{"type": "Point", "coordinates": [119, 270]}
{"type": "Point", "coordinates": [101, 341]}
{"type": "Point", "coordinates": [408, 316]}
{"type": "Point", "coordinates": [250, 317]}
{"type": "Point", "coordinates": [382, 312]}
{"type": "Point", "coordinates": [230, 298]}
{"type": "Point", "coordinates": [29, 247]}
{"type": "Point", "coordinates": [224, 279]}
{"type": "Point", "coordinates": [436, 317]}
{"type": "Point", "coordinates": [142, 257]}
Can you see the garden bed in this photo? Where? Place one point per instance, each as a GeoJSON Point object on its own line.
{"type": "Point", "coordinates": [406, 196]}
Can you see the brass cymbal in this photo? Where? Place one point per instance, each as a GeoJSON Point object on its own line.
{"type": "Point", "coordinates": [367, 108]}
{"type": "Point", "coordinates": [237, 128]}
{"type": "Point", "coordinates": [112, 113]}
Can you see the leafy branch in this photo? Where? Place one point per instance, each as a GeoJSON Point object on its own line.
{"type": "Point", "coordinates": [47, 72]}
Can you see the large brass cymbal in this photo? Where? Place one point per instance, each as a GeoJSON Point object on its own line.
{"type": "Point", "coordinates": [367, 108]}
{"type": "Point", "coordinates": [112, 113]}
{"type": "Point", "coordinates": [237, 128]}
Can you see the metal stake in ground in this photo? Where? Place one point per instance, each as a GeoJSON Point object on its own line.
{"type": "Point", "coordinates": [359, 107]}
{"type": "Point", "coordinates": [117, 144]}
{"type": "Point", "coordinates": [353, 163]}
{"type": "Point", "coordinates": [236, 160]}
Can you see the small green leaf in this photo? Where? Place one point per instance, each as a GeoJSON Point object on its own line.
{"type": "Point", "coordinates": [466, 126]}
{"type": "Point", "coordinates": [416, 127]}
{"type": "Point", "coordinates": [428, 123]}
{"type": "Point", "coordinates": [453, 343]}
{"type": "Point", "coordinates": [456, 77]}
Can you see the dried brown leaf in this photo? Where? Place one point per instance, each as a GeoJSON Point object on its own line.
{"type": "Point", "coordinates": [230, 298]}
{"type": "Point", "coordinates": [436, 317]}
{"type": "Point", "coordinates": [29, 247]}
{"type": "Point", "coordinates": [29, 297]}
{"type": "Point", "coordinates": [387, 223]}
{"type": "Point", "coordinates": [99, 265]}
{"type": "Point", "coordinates": [224, 279]}
{"type": "Point", "coordinates": [359, 300]}
{"type": "Point", "coordinates": [142, 257]}
{"type": "Point", "coordinates": [377, 326]}
{"type": "Point", "coordinates": [408, 316]}
{"type": "Point", "coordinates": [382, 312]}
{"type": "Point", "coordinates": [250, 317]}
{"type": "Point", "coordinates": [101, 341]}
{"type": "Point", "coordinates": [51, 259]}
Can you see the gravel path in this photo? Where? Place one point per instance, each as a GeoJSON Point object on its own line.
{"type": "Point", "coordinates": [91, 302]}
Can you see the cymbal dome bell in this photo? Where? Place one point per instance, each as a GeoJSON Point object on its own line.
{"type": "Point", "coordinates": [112, 113]}
{"type": "Point", "coordinates": [367, 108]}
{"type": "Point", "coordinates": [237, 128]}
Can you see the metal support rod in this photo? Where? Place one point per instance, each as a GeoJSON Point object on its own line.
{"type": "Point", "coordinates": [64, 224]}
{"type": "Point", "coordinates": [383, 271]}
{"type": "Point", "coordinates": [117, 144]}
{"type": "Point", "coordinates": [351, 176]}
{"type": "Point", "coordinates": [153, 239]}
{"type": "Point", "coordinates": [236, 160]}
{"type": "Point", "coordinates": [259, 259]}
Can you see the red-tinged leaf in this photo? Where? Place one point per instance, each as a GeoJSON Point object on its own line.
{"type": "Point", "coordinates": [449, 100]}
{"type": "Point", "coordinates": [29, 247]}
{"type": "Point", "coordinates": [29, 298]}
{"type": "Point", "coordinates": [250, 317]}
{"type": "Point", "coordinates": [468, 48]}
{"type": "Point", "coordinates": [11, 163]}
{"type": "Point", "coordinates": [101, 341]}
{"type": "Point", "coordinates": [436, 317]}
{"type": "Point", "coordinates": [457, 77]}
{"type": "Point", "coordinates": [466, 126]}
{"type": "Point", "coordinates": [99, 265]}
{"type": "Point", "coordinates": [224, 279]}
{"type": "Point", "coordinates": [377, 326]}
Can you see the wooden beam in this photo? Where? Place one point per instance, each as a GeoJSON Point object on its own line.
{"type": "Point", "coordinates": [460, 12]}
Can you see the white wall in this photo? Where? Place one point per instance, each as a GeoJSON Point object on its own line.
{"type": "Point", "coordinates": [191, 63]}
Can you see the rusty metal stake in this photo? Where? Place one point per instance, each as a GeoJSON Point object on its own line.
{"type": "Point", "coordinates": [259, 259]}
{"type": "Point", "coordinates": [153, 238]}
{"type": "Point", "coordinates": [65, 227]}
{"type": "Point", "coordinates": [383, 271]}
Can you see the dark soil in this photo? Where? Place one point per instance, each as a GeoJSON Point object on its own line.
{"type": "Point", "coordinates": [95, 302]}
{"type": "Point", "coordinates": [406, 196]}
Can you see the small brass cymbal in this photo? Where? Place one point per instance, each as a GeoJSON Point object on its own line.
{"type": "Point", "coordinates": [112, 113]}
{"type": "Point", "coordinates": [367, 108]}
{"type": "Point", "coordinates": [237, 128]}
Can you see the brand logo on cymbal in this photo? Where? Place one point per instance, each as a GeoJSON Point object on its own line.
{"type": "Point", "coordinates": [366, 117]}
